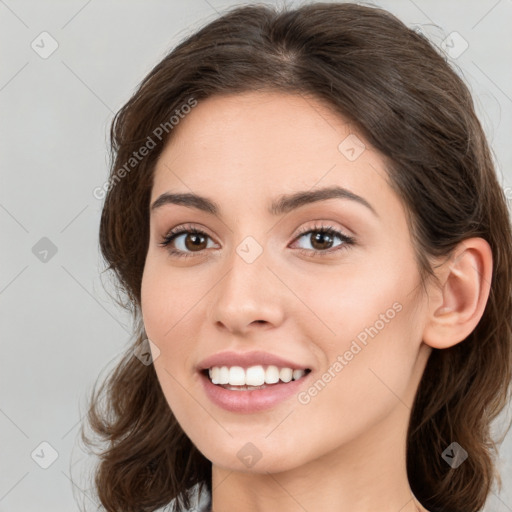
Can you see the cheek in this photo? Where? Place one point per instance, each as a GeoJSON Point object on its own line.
{"type": "Point", "coordinates": [171, 307]}
{"type": "Point", "coordinates": [369, 334]}
{"type": "Point", "coordinates": [164, 301]}
{"type": "Point", "coordinates": [361, 302]}
{"type": "Point", "coordinates": [165, 320]}
{"type": "Point", "coordinates": [152, 304]}
{"type": "Point", "coordinates": [368, 377]}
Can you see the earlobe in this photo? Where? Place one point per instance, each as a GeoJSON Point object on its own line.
{"type": "Point", "coordinates": [455, 309]}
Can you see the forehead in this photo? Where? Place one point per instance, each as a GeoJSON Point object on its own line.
{"type": "Point", "coordinates": [255, 144]}
{"type": "Point", "coordinates": [259, 127]}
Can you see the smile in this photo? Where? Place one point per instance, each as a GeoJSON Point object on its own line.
{"type": "Point", "coordinates": [247, 395]}
{"type": "Point", "coordinates": [254, 377]}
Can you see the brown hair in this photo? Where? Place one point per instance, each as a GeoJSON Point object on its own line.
{"type": "Point", "coordinates": [404, 98]}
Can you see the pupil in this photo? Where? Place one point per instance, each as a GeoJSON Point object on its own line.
{"type": "Point", "coordinates": [319, 237]}
{"type": "Point", "coordinates": [196, 240]}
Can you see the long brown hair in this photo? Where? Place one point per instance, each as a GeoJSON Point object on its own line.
{"type": "Point", "coordinates": [401, 94]}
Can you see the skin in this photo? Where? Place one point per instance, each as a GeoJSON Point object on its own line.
{"type": "Point", "coordinates": [344, 450]}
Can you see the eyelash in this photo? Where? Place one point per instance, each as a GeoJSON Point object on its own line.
{"type": "Point", "coordinates": [324, 229]}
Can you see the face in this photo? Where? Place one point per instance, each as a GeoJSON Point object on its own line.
{"type": "Point", "coordinates": [327, 284]}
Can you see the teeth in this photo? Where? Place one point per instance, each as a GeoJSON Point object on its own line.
{"type": "Point", "coordinates": [236, 376]}
{"type": "Point", "coordinates": [297, 374]}
{"type": "Point", "coordinates": [252, 376]}
{"type": "Point", "coordinates": [224, 375]}
{"type": "Point", "coordinates": [272, 375]}
{"type": "Point", "coordinates": [286, 374]}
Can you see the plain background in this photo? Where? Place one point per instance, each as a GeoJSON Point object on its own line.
{"type": "Point", "coordinates": [60, 329]}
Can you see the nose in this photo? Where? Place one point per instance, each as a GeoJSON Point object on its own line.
{"type": "Point", "coordinates": [248, 296]}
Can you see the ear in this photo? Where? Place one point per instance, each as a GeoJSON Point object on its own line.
{"type": "Point", "coordinates": [455, 308]}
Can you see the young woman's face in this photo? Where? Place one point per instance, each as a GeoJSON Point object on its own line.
{"type": "Point", "coordinates": [273, 286]}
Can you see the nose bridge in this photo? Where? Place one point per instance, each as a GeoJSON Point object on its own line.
{"type": "Point", "coordinates": [247, 293]}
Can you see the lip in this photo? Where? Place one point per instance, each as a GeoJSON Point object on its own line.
{"type": "Point", "coordinates": [247, 359]}
{"type": "Point", "coordinates": [254, 400]}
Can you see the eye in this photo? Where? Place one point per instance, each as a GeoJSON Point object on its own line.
{"type": "Point", "coordinates": [193, 239]}
{"type": "Point", "coordinates": [324, 235]}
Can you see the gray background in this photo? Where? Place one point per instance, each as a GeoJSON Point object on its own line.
{"type": "Point", "coordinates": [60, 329]}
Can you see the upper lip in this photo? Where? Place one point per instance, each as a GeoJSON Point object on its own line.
{"type": "Point", "coordinates": [247, 359]}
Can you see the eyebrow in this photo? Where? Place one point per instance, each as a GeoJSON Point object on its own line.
{"type": "Point", "coordinates": [283, 204]}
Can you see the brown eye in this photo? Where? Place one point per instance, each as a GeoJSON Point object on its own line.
{"type": "Point", "coordinates": [194, 241]}
{"type": "Point", "coordinates": [321, 240]}
{"type": "Point", "coordinates": [185, 242]}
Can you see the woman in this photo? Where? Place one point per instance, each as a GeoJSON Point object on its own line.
{"type": "Point", "coordinates": [304, 216]}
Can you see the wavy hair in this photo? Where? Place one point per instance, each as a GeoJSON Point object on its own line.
{"type": "Point", "coordinates": [401, 94]}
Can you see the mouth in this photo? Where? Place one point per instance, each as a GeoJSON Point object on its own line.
{"type": "Point", "coordinates": [259, 377]}
{"type": "Point", "coordinates": [252, 382]}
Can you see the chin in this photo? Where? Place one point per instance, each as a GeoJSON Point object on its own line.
{"type": "Point", "coordinates": [262, 466]}
{"type": "Point", "coordinates": [252, 454]}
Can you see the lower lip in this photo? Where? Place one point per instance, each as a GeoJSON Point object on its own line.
{"type": "Point", "coordinates": [253, 400]}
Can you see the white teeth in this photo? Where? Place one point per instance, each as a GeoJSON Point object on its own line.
{"type": "Point", "coordinates": [286, 374]}
{"type": "Point", "coordinates": [255, 376]}
{"type": "Point", "coordinates": [297, 374]}
{"type": "Point", "coordinates": [272, 375]}
{"type": "Point", "coordinates": [214, 374]}
{"type": "Point", "coordinates": [252, 376]}
{"type": "Point", "coordinates": [224, 375]}
{"type": "Point", "coordinates": [236, 376]}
